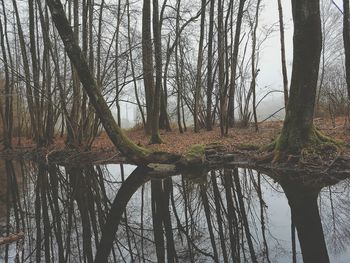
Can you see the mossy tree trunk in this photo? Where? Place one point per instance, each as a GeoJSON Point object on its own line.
{"type": "Point", "coordinates": [298, 129]}
{"type": "Point", "coordinates": [135, 153]}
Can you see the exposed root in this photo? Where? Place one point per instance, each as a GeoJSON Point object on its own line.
{"type": "Point", "coordinates": [319, 150]}
{"type": "Point", "coordinates": [269, 147]}
{"type": "Point", "coordinates": [264, 158]}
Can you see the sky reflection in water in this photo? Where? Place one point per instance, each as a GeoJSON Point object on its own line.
{"type": "Point", "coordinates": [185, 218]}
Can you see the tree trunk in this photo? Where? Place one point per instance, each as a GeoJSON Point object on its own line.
{"type": "Point", "coordinates": [210, 83]}
{"type": "Point", "coordinates": [221, 64]}
{"type": "Point", "coordinates": [116, 63]}
{"type": "Point", "coordinates": [177, 66]}
{"type": "Point", "coordinates": [135, 153]}
{"type": "Point", "coordinates": [155, 136]}
{"type": "Point", "coordinates": [147, 62]}
{"type": "Point", "coordinates": [132, 66]}
{"type": "Point", "coordinates": [234, 62]}
{"type": "Point", "coordinates": [72, 134]}
{"type": "Point", "coordinates": [298, 129]}
{"type": "Point", "coordinates": [346, 37]}
{"type": "Point", "coordinates": [199, 69]}
{"type": "Point", "coordinates": [6, 113]}
{"type": "Point", "coordinates": [29, 91]}
{"type": "Point", "coordinates": [9, 83]}
{"type": "Point", "coordinates": [253, 65]}
{"type": "Point", "coordinates": [35, 71]}
{"type": "Point", "coordinates": [283, 54]}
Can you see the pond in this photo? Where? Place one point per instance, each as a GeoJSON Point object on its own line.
{"type": "Point", "coordinates": [120, 213]}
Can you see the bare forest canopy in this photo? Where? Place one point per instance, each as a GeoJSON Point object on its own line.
{"type": "Point", "coordinates": [175, 63]}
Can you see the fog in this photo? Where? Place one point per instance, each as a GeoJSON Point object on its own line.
{"type": "Point", "coordinates": [270, 76]}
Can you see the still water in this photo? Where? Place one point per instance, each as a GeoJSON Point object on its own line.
{"type": "Point", "coordinates": [119, 213]}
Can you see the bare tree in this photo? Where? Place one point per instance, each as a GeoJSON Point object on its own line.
{"type": "Point", "coordinates": [298, 129]}
{"type": "Point", "coordinates": [283, 54]}
{"type": "Point", "coordinates": [346, 37]}
{"type": "Point", "coordinates": [199, 69]}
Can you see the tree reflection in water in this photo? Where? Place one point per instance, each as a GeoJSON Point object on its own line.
{"type": "Point", "coordinates": [102, 213]}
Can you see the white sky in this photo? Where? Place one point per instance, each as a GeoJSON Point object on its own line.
{"type": "Point", "coordinates": [270, 61]}
{"type": "Point", "coordinates": [270, 75]}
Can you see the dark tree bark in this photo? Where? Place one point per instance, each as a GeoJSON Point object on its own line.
{"type": "Point", "coordinates": [72, 134]}
{"type": "Point", "coordinates": [125, 146]}
{"type": "Point", "coordinates": [132, 66]}
{"type": "Point", "coordinates": [254, 70]}
{"type": "Point", "coordinates": [116, 63]}
{"type": "Point", "coordinates": [155, 136]}
{"type": "Point", "coordinates": [298, 129]}
{"type": "Point", "coordinates": [35, 72]}
{"type": "Point", "coordinates": [44, 21]}
{"type": "Point", "coordinates": [147, 62]}
{"type": "Point", "coordinates": [29, 90]}
{"type": "Point", "coordinates": [199, 69]}
{"type": "Point", "coordinates": [346, 38]}
{"type": "Point", "coordinates": [283, 54]}
{"type": "Point", "coordinates": [234, 62]}
{"type": "Point", "coordinates": [6, 113]}
{"type": "Point", "coordinates": [221, 64]}
{"type": "Point", "coordinates": [177, 66]}
{"type": "Point", "coordinates": [210, 83]}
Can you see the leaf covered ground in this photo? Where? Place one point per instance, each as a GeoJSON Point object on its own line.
{"type": "Point", "coordinates": [238, 138]}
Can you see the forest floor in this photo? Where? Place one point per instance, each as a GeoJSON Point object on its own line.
{"type": "Point", "coordinates": [238, 140]}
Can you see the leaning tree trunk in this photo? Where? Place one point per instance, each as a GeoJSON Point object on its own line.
{"type": "Point", "coordinates": [298, 129]}
{"type": "Point", "coordinates": [135, 153]}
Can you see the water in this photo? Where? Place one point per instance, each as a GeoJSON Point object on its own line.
{"type": "Point", "coordinates": [78, 214]}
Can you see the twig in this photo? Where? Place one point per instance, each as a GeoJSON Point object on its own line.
{"type": "Point", "coordinates": [273, 114]}
{"type": "Point", "coordinates": [337, 6]}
